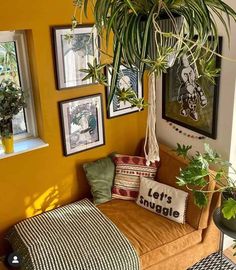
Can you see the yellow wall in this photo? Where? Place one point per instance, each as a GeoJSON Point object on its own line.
{"type": "Point", "coordinates": [30, 182]}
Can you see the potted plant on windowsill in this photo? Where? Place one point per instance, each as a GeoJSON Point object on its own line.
{"type": "Point", "coordinates": [193, 177]}
{"type": "Point", "coordinates": [152, 35]}
{"type": "Point", "coordinates": [12, 101]}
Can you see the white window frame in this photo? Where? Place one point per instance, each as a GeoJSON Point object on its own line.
{"type": "Point", "coordinates": [19, 37]}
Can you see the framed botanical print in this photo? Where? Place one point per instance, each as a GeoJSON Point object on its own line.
{"type": "Point", "coordinates": [127, 78]}
{"type": "Point", "coordinates": [82, 124]}
{"type": "Point", "coordinates": [189, 101]}
{"type": "Point", "coordinates": [73, 52]}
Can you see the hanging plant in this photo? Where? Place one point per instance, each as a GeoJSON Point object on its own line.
{"type": "Point", "coordinates": [135, 22]}
{"type": "Point", "coordinates": [151, 35]}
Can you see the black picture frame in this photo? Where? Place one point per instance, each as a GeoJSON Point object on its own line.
{"type": "Point", "coordinates": [133, 79]}
{"type": "Point", "coordinates": [82, 124]}
{"type": "Point", "coordinates": [179, 107]}
{"type": "Point", "coordinates": [70, 57]}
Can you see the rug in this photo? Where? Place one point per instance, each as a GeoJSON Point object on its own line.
{"type": "Point", "coordinates": [213, 262]}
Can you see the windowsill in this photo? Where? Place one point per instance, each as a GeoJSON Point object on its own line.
{"type": "Point", "coordinates": [24, 146]}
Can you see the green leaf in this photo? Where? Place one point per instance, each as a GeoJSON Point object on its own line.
{"type": "Point", "coordinates": [86, 8]}
{"type": "Point", "coordinates": [220, 173]}
{"type": "Point", "coordinates": [210, 155]}
{"type": "Point", "coordinates": [131, 5]}
{"type": "Point", "coordinates": [200, 198]}
{"type": "Point", "coordinates": [181, 181]}
{"type": "Point", "coordinates": [229, 208]}
{"type": "Point", "coordinates": [182, 150]}
{"type": "Point", "coordinates": [115, 72]}
{"type": "Point", "coordinates": [145, 38]}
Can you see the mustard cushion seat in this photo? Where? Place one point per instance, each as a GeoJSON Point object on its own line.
{"type": "Point", "coordinates": [154, 237]}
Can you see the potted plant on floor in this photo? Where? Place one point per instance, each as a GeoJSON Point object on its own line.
{"type": "Point", "coordinates": [12, 101]}
{"type": "Point", "coordinates": [152, 35]}
{"type": "Point", "coordinates": [193, 177]}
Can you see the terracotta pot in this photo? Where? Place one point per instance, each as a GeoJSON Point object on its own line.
{"type": "Point", "coordinates": [228, 223]}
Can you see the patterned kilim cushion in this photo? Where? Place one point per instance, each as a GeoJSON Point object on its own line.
{"type": "Point", "coordinates": [128, 172]}
{"type": "Point", "coordinates": [213, 261]}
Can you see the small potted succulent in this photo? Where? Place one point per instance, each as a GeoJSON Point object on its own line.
{"type": "Point", "coordinates": [194, 178]}
{"type": "Point", "coordinates": [12, 101]}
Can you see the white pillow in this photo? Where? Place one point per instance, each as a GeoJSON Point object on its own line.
{"type": "Point", "coordinates": [162, 199]}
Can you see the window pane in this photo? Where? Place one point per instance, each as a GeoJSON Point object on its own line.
{"type": "Point", "coordinates": [9, 70]}
{"type": "Point", "coordinates": [19, 123]}
{"type": "Point", "coordinates": [8, 62]}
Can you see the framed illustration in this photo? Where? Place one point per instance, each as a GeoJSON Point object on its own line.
{"type": "Point", "coordinates": [127, 78]}
{"type": "Point", "coordinates": [191, 102]}
{"type": "Point", "coordinates": [73, 52]}
{"type": "Point", "coordinates": [82, 124]}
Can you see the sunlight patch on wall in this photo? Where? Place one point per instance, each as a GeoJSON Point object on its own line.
{"type": "Point", "coordinates": [41, 203]}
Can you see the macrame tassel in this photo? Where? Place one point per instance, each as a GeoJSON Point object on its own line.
{"type": "Point", "coordinates": [152, 154]}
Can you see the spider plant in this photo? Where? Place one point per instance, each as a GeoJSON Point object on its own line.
{"type": "Point", "coordinates": [140, 39]}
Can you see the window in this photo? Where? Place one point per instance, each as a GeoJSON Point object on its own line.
{"type": "Point", "coordinates": [14, 65]}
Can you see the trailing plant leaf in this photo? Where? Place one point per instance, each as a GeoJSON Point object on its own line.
{"type": "Point", "coordinates": [200, 199]}
{"type": "Point", "coordinates": [69, 37]}
{"type": "Point", "coordinates": [74, 22]}
{"type": "Point", "coordinates": [140, 103]}
{"type": "Point", "coordinates": [129, 95]}
{"type": "Point", "coordinates": [229, 208]}
{"type": "Point", "coordinates": [161, 63]}
{"type": "Point", "coordinates": [115, 71]}
{"type": "Point", "coordinates": [182, 150]}
{"type": "Point", "coordinates": [95, 72]}
{"type": "Point", "coordinates": [210, 154]}
{"type": "Point", "coordinates": [125, 94]}
{"type": "Point", "coordinates": [78, 3]}
{"type": "Point", "coordinates": [208, 70]}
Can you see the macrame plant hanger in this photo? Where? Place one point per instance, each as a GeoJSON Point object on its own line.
{"type": "Point", "coordinates": [151, 147]}
{"type": "Point", "coordinates": [151, 143]}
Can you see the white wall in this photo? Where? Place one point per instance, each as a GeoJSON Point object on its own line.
{"type": "Point", "coordinates": [225, 144]}
{"type": "Point", "coordinates": [225, 110]}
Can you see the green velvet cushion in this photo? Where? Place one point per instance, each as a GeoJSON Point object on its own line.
{"type": "Point", "coordinates": [100, 175]}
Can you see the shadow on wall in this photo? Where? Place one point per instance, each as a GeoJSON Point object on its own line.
{"type": "Point", "coordinates": [83, 185]}
{"type": "Point", "coordinates": [35, 204]}
{"type": "Point", "coordinates": [49, 198]}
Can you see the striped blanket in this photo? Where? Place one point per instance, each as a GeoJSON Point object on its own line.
{"type": "Point", "coordinates": [74, 237]}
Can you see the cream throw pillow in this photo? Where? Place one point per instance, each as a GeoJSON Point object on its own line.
{"type": "Point", "coordinates": [162, 199]}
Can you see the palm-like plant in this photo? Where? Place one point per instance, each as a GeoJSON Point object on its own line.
{"type": "Point", "coordinates": [135, 22]}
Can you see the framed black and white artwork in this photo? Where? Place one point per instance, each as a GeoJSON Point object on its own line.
{"type": "Point", "coordinates": [127, 78]}
{"type": "Point", "coordinates": [191, 101]}
{"type": "Point", "coordinates": [82, 124]}
{"type": "Point", "coordinates": [73, 51]}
